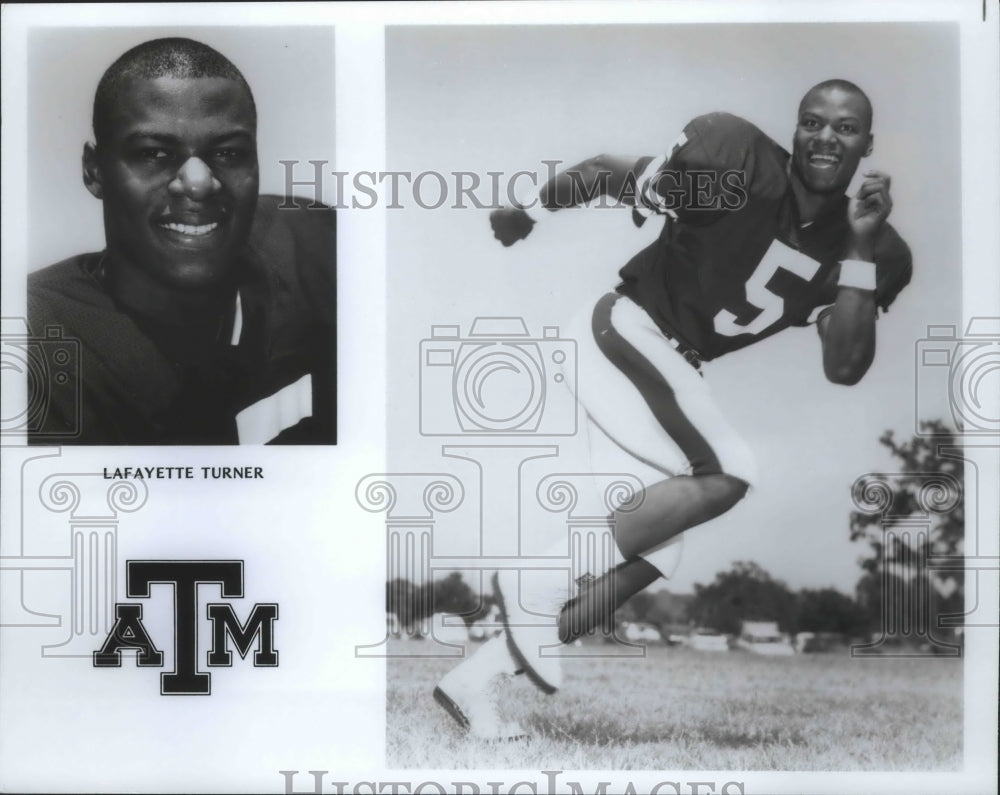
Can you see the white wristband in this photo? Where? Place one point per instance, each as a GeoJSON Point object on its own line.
{"type": "Point", "coordinates": [857, 273]}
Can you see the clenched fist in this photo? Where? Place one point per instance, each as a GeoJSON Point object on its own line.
{"type": "Point", "coordinates": [868, 210]}
{"type": "Point", "coordinates": [510, 224]}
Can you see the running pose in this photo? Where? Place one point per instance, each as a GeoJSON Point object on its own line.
{"type": "Point", "coordinates": [755, 240]}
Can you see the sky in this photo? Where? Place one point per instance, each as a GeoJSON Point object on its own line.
{"type": "Point", "coordinates": [480, 100]}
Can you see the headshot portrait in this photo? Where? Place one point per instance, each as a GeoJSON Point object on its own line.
{"type": "Point", "coordinates": [195, 298]}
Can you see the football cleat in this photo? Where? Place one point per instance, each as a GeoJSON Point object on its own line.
{"type": "Point", "coordinates": [470, 693]}
{"type": "Point", "coordinates": [529, 636]}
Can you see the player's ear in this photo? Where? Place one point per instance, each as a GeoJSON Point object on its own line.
{"type": "Point", "coordinates": [92, 171]}
{"type": "Point", "coordinates": [871, 145]}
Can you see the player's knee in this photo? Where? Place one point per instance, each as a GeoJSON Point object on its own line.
{"type": "Point", "coordinates": [738, 488]}
{"type": "Point", "coordinates": [737, 463]}
{"type": "Point", "coordinates": [723, 490]}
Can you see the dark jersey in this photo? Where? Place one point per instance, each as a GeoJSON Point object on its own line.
{"type": "Point", "coordinates": [732, 264]}
{"type": "Point", "coordinates": [126, 380]}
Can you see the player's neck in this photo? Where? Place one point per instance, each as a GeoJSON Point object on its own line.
{"type": "Point", "coordinates": [137, 292]}
{"type": "Point", "coordinates": [811, 205]}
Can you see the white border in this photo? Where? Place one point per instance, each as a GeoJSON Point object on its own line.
{"type": "Point", "coordinates": [361, 140]}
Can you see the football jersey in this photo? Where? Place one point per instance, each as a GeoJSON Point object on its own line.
{"type": "Point", "coordinates": [129, 381]}
{"type": "Point", "coordinates": [733, 265]}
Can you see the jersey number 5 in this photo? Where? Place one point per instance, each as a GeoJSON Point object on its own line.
{"type": "Point", "coordinates": [769, 304]}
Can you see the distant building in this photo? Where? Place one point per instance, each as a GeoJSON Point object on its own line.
{"type": "Point", "coordinates": [705, 639]}
{"type": "Point", "coordinates": [809, 642]}
{"type": "Point", "coordinates": [640, 632]}
{"type": "Point", "coordinates": [764, 637]}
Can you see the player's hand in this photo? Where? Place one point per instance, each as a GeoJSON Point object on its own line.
{"type": "Point", "coordinates": [510, 224]}
{"type": "Point", "coordinates": [867, 211]}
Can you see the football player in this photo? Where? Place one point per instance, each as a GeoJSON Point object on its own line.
{"type": "Point", "coordinates": [755, 240]}
{"type": "Point", "coordinates": [210, 316]}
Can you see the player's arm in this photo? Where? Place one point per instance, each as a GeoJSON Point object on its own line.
{"type": "Point", "coordinates": [847, 329]}
{"type": "Point", "coordinates": [602, 175]}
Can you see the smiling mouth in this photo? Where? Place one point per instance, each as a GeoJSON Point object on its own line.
{"type": "Point", "coordinates": [820, 160]}
{"type": "Point", "coordinates": [191, 230]}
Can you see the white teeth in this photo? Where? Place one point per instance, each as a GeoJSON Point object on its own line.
{"type": "Point", "coordinates": [191, 231]}
{"type": "Point", "coordinates": [824, 158]}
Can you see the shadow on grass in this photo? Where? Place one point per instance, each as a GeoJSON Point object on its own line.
{"type": "Point", "coordinates": [596, 732]}
{"type": "Point", "coordinates": [750, 739]}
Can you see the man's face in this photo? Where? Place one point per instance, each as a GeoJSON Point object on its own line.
{"type": "Point", "coordinates": [177, 172]}
{"type": "Point", "coordinates": [832, 135]}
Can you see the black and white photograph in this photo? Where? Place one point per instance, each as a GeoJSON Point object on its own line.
{"type": "Point", "coordinates": [643, 206]}
{"type": "Point", "coordinates": [205, 309]}
{"type": "Point", "coordinates": [500, 398]}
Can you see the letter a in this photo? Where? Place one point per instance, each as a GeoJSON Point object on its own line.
{"type": "Point", "coordinates": [128, 633]}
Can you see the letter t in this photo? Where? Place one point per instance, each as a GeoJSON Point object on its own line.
{"type": "Point", "coordinates": [185, 576]}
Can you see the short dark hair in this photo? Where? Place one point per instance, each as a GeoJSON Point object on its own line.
{"type": "Point", "coordinates": [843, 85]}
{"type": "Point", "coordinates": [171, 57]}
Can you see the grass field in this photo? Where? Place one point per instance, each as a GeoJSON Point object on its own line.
{"type": "Point", "coordinates": [682, 709]}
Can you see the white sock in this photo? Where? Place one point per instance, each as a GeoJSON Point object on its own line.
{"type": "Point", "coordinates": [494, 657]}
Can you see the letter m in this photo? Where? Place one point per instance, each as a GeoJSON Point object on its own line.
{"type": "Point", "coordinates": [260, 625]}
{"type": "Point", "coordinates": [602, 788]}
{"type": "Point", "coordinates": [580, 194]}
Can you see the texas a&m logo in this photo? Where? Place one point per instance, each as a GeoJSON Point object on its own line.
{"type": "Point", "coordinates": [129, 633]}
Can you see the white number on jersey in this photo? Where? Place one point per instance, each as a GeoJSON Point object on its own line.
{"type": "Point", "coordinates": [770, 304]}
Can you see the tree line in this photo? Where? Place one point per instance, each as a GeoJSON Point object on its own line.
{"type": "Point", "coordinates": [899, 586]}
